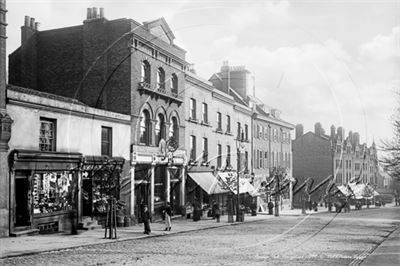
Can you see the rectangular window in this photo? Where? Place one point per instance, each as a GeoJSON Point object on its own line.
{"type": "Point", "coordinates": [205, 150]}
{"type": "Point", "coordinates": [261, 160]}
{"type": "Point", "coordinates": [246, 132]}
{"type": "Point", "coordinates": [246, 163]}
{"type": "Point", "coordinates": [238, 131]}
{"type": "Point", "coordinates": [219, 158]}
{"type": "Point", "coordinates": [228, 124]}
{"type": "Point", "coordinates": [193, 148]}
{"type": "Point", "coordinates": [106, 141]}
{"type": "Point", "coordinates": [262, 132]}
{"type": "Point", "coordinates": [258, 131]}
{"type": "Point", "coordinates": [219, 121]}
{"type": "Point", "coordinates": [266, 159]}
{"type": "Point", "coordinates": [257, 159]}
{"type": "Point", "coordinates": [228, 155]}
{"type": "Point", "coordinates": [273, 159]}
{"type": "Point", "coordinates": [204, 111]}
{"type": "Point", "coordinates": [192, 107]}
{"type": "Point", "coordinates": [47, 134]}
{"type": "Point", "coordinates": [339, 178]}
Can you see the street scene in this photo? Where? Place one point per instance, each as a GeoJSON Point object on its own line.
{"type": "Point", "coordinates": [316, 239]}
{"type": "Point", "coordinates": [187, 132]}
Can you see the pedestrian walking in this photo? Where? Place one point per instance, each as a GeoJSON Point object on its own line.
{"type": "Point", "coordinates": [216, 211]}
{"type": "Point", "coordinates": [168, 214]}
{"type": "Point", "coordinates": [146, 219]}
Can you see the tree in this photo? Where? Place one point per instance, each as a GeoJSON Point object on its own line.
{"type": "Point", "coordinates": [391, 161]}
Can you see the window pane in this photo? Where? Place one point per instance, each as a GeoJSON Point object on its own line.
{"type": "Point", "coordinates": [47, 137]}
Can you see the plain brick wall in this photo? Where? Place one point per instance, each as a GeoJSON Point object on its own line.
{"type": "Point", "coordinates": [312, 157]}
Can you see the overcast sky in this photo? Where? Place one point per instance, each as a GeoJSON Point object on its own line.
{"type": "Point", "coordinates": [336, 62]}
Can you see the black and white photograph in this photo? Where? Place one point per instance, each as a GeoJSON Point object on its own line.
{"type": "Point", "coordinates": [200, 132]}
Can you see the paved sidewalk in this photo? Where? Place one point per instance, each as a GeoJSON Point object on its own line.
{"type": "Point", "coordinates": [387, 253]}
{"type": "Point", "coordinates": [25, 245]}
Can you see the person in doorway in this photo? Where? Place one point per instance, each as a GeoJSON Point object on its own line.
{"type": "Point", "coordinates": [146, 220]}
{"type": "Point", "coordinates": [168, 214]}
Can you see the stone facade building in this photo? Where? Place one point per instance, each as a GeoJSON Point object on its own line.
{"type": "Point", "coordinates": [64, 155]}
{"type": "Point", "coordinates": [5, 128]}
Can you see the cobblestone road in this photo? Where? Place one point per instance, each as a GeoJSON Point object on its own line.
{"type": "Point", "coordinates": [325, 239]}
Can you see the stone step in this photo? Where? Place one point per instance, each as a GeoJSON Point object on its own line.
{"type": "Point", "coordinates": [27, 232]}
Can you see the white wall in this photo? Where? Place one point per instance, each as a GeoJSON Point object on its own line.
{"type": "Point", "coordinates": [74, 133]}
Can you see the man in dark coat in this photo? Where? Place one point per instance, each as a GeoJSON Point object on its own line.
{"type": "Point", "coordinates": [146, 220]}
{"type": "Point", "coordinates": [168, 214]}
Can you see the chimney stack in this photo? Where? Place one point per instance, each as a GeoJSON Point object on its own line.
{"type": "Point", "coordinates": [94, 12]}
{"type": "Point", "coordinates": [318, 129]}
{"type": "Point", "coordinates": [27, 21]}
{"type": "Point", "coordinates": [89, 13]}
{"type": "Point", "coordinates": [32, 24]}
{"type": "Point", "coordinates": [299, 130]}
{"type": "Point", "coordinates": [29, 29]}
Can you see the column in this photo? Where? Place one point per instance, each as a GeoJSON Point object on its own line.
{"type": "Point", "coordinates": [132, 201]}
{"type": "Point", "coordinates": [79, 196]}
{"type": "Point", "coordinates": [167, 185]}
{"type": "Point", "coordinates": [291, 193]}
{"type": "Point", "coordinates": [152, 176]}
{"type": "Point", "coordinates": [183, 187]}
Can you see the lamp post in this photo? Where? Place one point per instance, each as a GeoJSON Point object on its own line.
{"type": "Point", "coordinates": [277, 193]}
{"type": "Point", "coordinates": [239, 145]}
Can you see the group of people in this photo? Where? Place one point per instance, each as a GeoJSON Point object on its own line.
{"type": "Point", "coordinates": [147, 219]}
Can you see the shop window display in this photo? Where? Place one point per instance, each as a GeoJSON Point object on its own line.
{"type": "Point", "coordinates": [52, 192]}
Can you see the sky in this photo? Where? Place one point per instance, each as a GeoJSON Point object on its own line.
{"type": "Point", "coordinates": [334, 62]}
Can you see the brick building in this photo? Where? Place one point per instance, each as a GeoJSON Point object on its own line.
{"type": "Point", "coordinates": [215, 120]}
{"type": "Point", "coordinates": [318, 155]}
{"type": "Point", "coordinates": [121, 66]}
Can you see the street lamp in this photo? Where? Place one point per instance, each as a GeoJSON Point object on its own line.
{"type": "Point", "coordinates": [239, 146]}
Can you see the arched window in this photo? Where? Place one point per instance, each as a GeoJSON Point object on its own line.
{"type": "Point", "coordinates": [160, 128]}
{"type": "Point", "coordinates": [145, 128]}
{"type": "Point", "coordinates": [174, 129]}
{"type": "Point", "coordinates": [161, 79]}
{"type": "Point", "coordinates": [145, 72]}
{"type": "Point", "coordinates": [174, 85]}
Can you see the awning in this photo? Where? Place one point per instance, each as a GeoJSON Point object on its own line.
{"type": "Point", "coordinates": [362, 191]}
{"type": "Point", "coordinates": [229, 178]}
{"type": "Point", "coordinates": [344, 190]}
{"type": "Point", "coordinates": [42, 160]}
{"type": "Point", "coordinates": [208, 182]}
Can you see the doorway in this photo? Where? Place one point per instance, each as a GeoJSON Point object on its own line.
{"type": "Point", "coordinates": [87, 197]}
{"type": "Point", "coordinates": [22, 201]}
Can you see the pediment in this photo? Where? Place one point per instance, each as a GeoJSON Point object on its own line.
{"type": "Point", "coordinates": [160, 29]}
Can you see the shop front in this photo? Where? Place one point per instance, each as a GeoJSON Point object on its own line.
{"type": "Point", "coordinates": [100, 180]}
{"type": "Point", "coordinates": [44, 189]}
{"type": "Point", "coordinates": [157, 179]}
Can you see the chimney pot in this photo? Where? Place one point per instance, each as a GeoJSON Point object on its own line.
{"type": "Point", "coordinates": [89, 13]}
{"type": "Point", "coordinates": [94, 13]}
{"type": "Point", "coordinates": [101, 12]}
{"type": "Point", "coordinates": [32, 23]}
{"type": "Point", "coordinates": [27, 21]}
{"type": "Point", "coordinates": [37, 25]}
